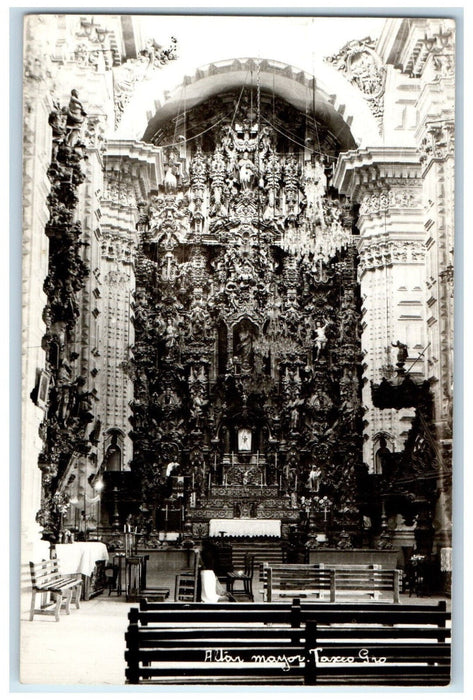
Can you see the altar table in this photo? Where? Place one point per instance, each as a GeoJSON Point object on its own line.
{"type": "Point", "coordinates": [81, 558]}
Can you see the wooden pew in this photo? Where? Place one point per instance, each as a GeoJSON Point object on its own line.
{"type": "Point", "coordinates": [238, 643]}
{"type": "Point", "coordinates": [399, 656]}
{"type": "Point", "coordinates": [311, 581]}
{"type": "Point", "coordinates": [289, 580]}
{"type": "Point", "coordinates": [49, 584]}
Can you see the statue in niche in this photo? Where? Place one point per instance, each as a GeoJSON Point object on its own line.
{"type": "Point", "coordinates": [294, 416]}
{"type": "Point", "coordinates": [75, 118]}
{"type": "Point", "coordinates": [170, 178]}
{"type": "Point", "coordinates": [171, 335]}
{"type": "Point", "coordinates": [314, 479]}
{"type": "Point", "coordinates": [320, 338]}
{"type": "Point", "coordinates": [244, 346]}
{"type": "Point", "coordinates": [383, 457]}
{"type": "Point", "coordinates": [198, 404]}
{"type": "Point", "coordinates": [168, 399]}
{"type": "Point", "coordinates": [246, 171]}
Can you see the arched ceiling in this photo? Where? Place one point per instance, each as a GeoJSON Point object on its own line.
{"type": "Point", "coordinates": [335, 103]}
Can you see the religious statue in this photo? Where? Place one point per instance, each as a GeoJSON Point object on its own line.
{"type": "Point", "coordinates": [314, 479]}
{"type": "Point", "coordinates": [320, 338]}
{"type": "Point", "coordinates": [171, 335]}
{"type": "Point", "coordinates": [75, 118]}
{"type": "Point", "coordinates": [57, 122]}
{"type": "Point", "coordinates": [244, 346]}
{"type": "Point", "coordinates": [402, 352]}
{"type": "Point", "coordinates": [246, 170]}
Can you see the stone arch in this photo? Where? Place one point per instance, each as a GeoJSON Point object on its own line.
{"type": "Point", "coordinates": [336, 102]}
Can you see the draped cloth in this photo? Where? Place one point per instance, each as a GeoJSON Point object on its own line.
{"type": "Point", "coordinates": [80, 557]}
{"type": "Point", "coordinates": [244, 527]}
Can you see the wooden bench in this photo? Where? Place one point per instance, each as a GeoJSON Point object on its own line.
{"type": "Point", "coordinates": [266, 643]}
{"type": "Point", "coordinates": [50, 584]}
{"type": "Point", "coordinates": [312, 581]}
{"type": "Point", "coordinates": [380, 656]}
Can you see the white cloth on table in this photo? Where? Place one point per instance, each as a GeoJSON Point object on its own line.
{"type": "Point", "coordinates": [209, 587]}
{"type": "Point", "coordinates": [80, 557]}
{"type": "Point", "coordinates": [249, 527]}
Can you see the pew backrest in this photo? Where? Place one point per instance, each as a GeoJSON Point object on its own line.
{"type": "Point", "coordinates": [232, 643]}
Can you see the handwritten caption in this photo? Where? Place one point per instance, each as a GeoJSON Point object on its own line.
{"type": "Point", "coordinates": [286, 662]}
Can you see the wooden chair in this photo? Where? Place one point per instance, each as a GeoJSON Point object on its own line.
{"type": "Point", "coordinates": [245, 576]}
{"type": "Point", "coordinates": [50, 584]}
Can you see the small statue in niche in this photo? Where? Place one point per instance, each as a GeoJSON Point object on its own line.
{"type": "Point", "coordinates": [320, 338]}
{"type": "Point", "coordinates": [246, 171]}
{"type": "Point", "coordinates": [294, 407]}
{"type": "Point", "coordinates": [171, 335]}
{"type": "Point", "coordinates": [244, 346]}
{"type": "Point", "coordinates": [314, 479]}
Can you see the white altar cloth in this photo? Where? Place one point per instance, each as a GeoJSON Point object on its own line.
{"type": "Point", "coordinates": [80, 557]}
{"type": "Point", "coordinates": [245, 527]}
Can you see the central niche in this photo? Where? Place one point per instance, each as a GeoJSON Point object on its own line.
{"type": "Point", "coordinates": [247, 354]}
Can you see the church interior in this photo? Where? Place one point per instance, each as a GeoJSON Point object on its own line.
{"type": "Point", "coordinates": [237, 301]}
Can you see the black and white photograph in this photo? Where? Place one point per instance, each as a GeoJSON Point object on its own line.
{"type": "Point", "coordinates": [237, 435]}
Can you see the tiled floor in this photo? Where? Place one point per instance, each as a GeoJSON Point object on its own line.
{"type": "Point", "coordinates": [87, 647]}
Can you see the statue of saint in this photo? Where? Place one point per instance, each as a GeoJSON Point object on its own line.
{"type": "Point", "coordinates": [401, 353]}
{"type": "Point", "coordinates": [75, 118]}
{"type": "Point", "coordinates": [244, 346]}
{"type": "Point", "coordinates": [247, 170]}
{"type": "Point", "coordinates": [320, 338]}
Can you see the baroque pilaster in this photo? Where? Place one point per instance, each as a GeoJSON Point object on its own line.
{"type": "Point", "coordinates": [130, 172]}
{"type": "Point", "coordinates": [386, 184]}
{"type": "Point", "coordinates": [427, 56]}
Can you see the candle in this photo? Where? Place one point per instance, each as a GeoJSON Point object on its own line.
{"type": "Point", "coordinates": [215, 462]}
{"type": "Point", "coordinates": [275, 460]}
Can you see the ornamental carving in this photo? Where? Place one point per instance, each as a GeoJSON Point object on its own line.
{"type": "Point", "coordinates": [439, 144]}
{"type": "Point", "coordinates": [378, 202]}
{"type": "Point", "coordinates": [67, 429]}
{"type": "Point", "coordinates": [379, 254]}
{"type": "Point", "coordinates": [246, 313]}
{"type": "Point", "coordinates": [117, 248]}
{"type": "Point", "coordinates": [127, 76]}
{"type": "Point", "coordinates": [363, 68]}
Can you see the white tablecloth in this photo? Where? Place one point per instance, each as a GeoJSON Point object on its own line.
{"type": "Point", "coordinates": [245, 527]}
{"type": "Point", "coordinates": [80, 557]}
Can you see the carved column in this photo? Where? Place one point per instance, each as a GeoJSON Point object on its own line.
{"type": "Point", "coordinates": [426, 57]}
{"type": "Point", "coordinates": [129, 176]}
{"type": "Point", "coordinates": [387, 185]}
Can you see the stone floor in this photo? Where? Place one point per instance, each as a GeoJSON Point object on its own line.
{"type": "Point", "coordinates": [87, 647]}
